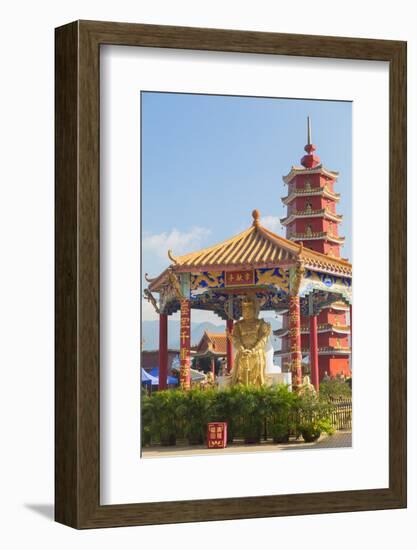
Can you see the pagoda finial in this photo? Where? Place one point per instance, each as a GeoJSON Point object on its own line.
{"type": "Point", "coordinates": [255, 215]}
{"type": "Point", "coordinates": [310, 160]}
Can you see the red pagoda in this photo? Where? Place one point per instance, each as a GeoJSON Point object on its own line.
{"type": "Point", "coordinates": [312, 221]}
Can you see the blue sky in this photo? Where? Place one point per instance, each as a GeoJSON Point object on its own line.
{"type": "Point", "coordinates": [208, 161]}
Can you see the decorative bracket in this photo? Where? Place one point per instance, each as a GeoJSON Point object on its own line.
{"type": "Point", "coordinates": [147, 294]}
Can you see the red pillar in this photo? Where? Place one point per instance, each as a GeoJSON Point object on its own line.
{"type": "Point", "coordinates": [213, 367]}
{"type": "Point", "coordinates": [295, 340]}
{"type": "Point", "coordinates": [351, 345]}
{"type": "Point", "coordinates": [314, 352]}
{"type": "Point", "coordinates": [163, 351]}
{"type": "Point", "coordinates": [229, 344]}
{"type": "Point", "coordinates": [185, 343]}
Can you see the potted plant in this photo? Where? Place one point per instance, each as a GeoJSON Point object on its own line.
{"type": "Point", "coordinates": [311, 430]}
{"type": "Point", "coordinates": [314, 418]}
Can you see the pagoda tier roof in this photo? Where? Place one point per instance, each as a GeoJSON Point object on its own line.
{"type": "Point", "coordinates": [330, 350]}
{"type": "Point", "coordinates": [321, 235]}
{"type": "Point", "coordinates": [321, 351]}
{"type": "Point", "coordinates": [319, 169]}
{"type": "Point", "coordinates": [326, 327]}
{"type": "Point", "coordinates": [339, 306]}
{"type": "Point", "coordinates": [281, 332]}
{"type": "Point", "coordinates": [256, 247]}
{"type": "Point", "coordinates": [322, 212]}
{"type": "Point", "coordinates": [314, 191]}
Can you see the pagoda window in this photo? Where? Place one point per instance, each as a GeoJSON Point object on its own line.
{"type": "Point", "coordinates": [307, 184]}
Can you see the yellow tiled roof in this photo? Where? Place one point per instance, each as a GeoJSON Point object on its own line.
{"type": "Point", "coordinates": [255, 245]}
{"type": "Point", "coordinates": [253, 248]}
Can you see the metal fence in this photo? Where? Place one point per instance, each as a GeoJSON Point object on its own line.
{"type": "Point", "coordinates": [342, 414]}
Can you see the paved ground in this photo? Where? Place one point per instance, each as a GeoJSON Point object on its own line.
{"type": "Point", "coordinates": [339, 439]}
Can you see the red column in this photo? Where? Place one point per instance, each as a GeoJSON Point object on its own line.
{"type": "Point", "coordinates": [185, 381]}
{"type": "Point", "coordinates": [213, 367]}
{"type": "Point", "coordinates": [229, 344]}
{"type": "Point", "coordinates": [314, 352]}
{"type": "Point", "coordinates": [295, 340]}
{"type": "Point", "coordinates": [351, 345]}
{"type": "Point", "coordinates": [163, 351]}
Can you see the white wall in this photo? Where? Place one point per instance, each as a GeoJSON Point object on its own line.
{"type": "Point", "coordinates": [26, 218]}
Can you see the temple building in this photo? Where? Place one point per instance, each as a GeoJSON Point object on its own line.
{"type": "Point", "coordinates": [212, 349]}
{"type": "Point", "coordinates": [312, 220]}
{"type": "Point", "coordinates": [283, 276]}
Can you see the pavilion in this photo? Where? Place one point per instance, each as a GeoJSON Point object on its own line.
{"type": "Point", "coordinates": [285, 276]}
{"type": "Point", "coordinates": [212, 346]}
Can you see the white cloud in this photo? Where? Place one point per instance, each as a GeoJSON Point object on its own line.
{"type": "Point", "coordinates": [272, 223]}
{"type": "Point", "coordinates": [155, 255]}
{"type": "Point", "coordinates": [179, 242]}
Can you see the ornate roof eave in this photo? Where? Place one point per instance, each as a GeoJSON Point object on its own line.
{"type": "Point", "coordinates": [322, 236]}
{"type": "Point", "coordinates": [281, 332]}
{"type": "Point", "coordinates": [335, 352]}
{"type": "Point", "coordinates": [298, 170]}
{"type": "Point", "coordinates": [233, 267]}
{"type": "Point", "coordinates": [321, 329]}
{"type": "Point", "coordinates": [310, 193]}
{"type": "Point", "coordinates": [313, 214]}
{"type": "Point", "coordinates": [254, 248]}
{"type": "Point", "coordinates": [157, 282]}
{"type": "Point", "coordinates": [339, 306]}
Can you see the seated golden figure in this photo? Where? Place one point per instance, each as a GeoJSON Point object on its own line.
{"type": "Point", "coordinates": [250, 336]}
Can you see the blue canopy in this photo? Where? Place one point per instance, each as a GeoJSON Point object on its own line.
{"type": "Point", "coordinates": [170, 379]}
{"type": "Point", "coordinates": [152, 377]}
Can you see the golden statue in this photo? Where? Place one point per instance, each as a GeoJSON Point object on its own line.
{"type": "Point", "coordinates": [250, 336]}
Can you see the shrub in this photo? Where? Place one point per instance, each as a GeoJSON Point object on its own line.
{"type": "Point", "coordinates": [196, 408]}
{"type": "Point", "coordinates": [146, 419]}
{"type": "Point", "coordinates": [227, 408]}
{"type": "Point", "coordinates": [313, 418]}
{"type": "Point", "coordinates": [168, 415]}
{"type": "Point", "coordinates": [162, 416]}
{"type": "Point", "coordinates": [280, 420]}
{"type": "Point", "coordinates": [333, 390]}
{"type": "Point", "coordinates": [252, 413]}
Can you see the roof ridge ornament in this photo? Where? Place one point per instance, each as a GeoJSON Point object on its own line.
{"type": "Point", "coordinates": [171, 256]}
{"type": "Point", "coordinates": [256, 215]}
{"type": "Point", "coordinates": [310, 160]}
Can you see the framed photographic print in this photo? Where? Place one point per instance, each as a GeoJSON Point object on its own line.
{"type": "Point", "coordinates": [230, 274]}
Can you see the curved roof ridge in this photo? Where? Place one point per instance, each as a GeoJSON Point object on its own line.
{"type": "Point", "coordinates": [207, 249]}
{"type": "Point", "coordinates": [282, 241]}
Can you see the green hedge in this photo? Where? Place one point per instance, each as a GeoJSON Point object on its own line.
{"type": "Point", "coordinates": [251, 413]}
{"type": "Point", "coordinates": [334, 390]}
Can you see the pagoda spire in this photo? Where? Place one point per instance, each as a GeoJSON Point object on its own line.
{"type": "Point", "coordinates": [310, 160]}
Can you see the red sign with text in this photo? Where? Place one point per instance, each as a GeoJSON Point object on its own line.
{"type": "Point", "coordinates": [216, 435]}
{"type": "Point", "coordinates": [185, 344]}
{"type": "Point", "coordinates": [239, 278]}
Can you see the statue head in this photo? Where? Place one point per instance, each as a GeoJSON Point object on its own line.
{"type": "Point", "coordinates": [250, 307]}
